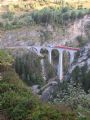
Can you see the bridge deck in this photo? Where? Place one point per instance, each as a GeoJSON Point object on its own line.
{"type": "Point", "coordinates": [65, 47]}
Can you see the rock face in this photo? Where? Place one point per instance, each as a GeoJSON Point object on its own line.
{"type": "Point", "coordinates": [84, 58]}
{"type": "Point", "coordinates": [45, 92]}
{"type": "Point", "coordinates": [84, 55]}
{"type": "Point", "coordinates": [35, 88]}
{"type": "Point", "coordinates": [31, 35]}
{"type": "Point", "coordinates": [80, 70]}
{"type": "Point", "coordinates": [48, 90]}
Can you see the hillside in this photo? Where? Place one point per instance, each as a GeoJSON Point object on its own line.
{"type": "Point", "coordinates": [29, 85]}
{"type": "Point", "coordinates": [17, 101]}
{"type": "Point", "coordinates": [34, 29]}
{"type": "Point", "coordinates": [37, 34]}
{"type": "Point", "coordinates": [37, 22]}
{"type": "Point", "coordinates": [29, 5]}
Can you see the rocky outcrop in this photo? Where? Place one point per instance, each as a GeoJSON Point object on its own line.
{"type": "Point", "coordinates": [83, 58]}
{"type": "Point", "coordinates": [48, 90]}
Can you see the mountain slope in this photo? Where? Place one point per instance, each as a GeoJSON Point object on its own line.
{"type": "Point", "coordinates": [18, 102]}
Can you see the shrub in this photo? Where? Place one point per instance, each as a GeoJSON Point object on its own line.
{"type": "Point", "coordinates": [66, 16]}
{"type": "Point", "coordinates": [28, 20]}
{"type": "Point", "coordinates": [81, 76]}
{"type": "Point", "coordinates": [74, 97]}
{"type": "Point", "coordinates": [8, 15]}
{"type": "Point", "coordinates": [81, 41]}
{"type": "Point", "coordinates": [45, 36]}
{"type": "Point", "coordinates": [73, 15]}
{"type": "Point", "coordinates": [65, 9]}
{"type": "Point", "coordinates": [10, 76]}
{"type": "Point", "coordinates": [12, 25]}
{"type": "Point", "coordinates": [8, 26]}
{"type": "Point", "coordinates": [44, 16]}
{"type": "Point", "coordinates": [17, 104]}
{"type": "Point", "coordinates": [80, 15]}
{"type": "Point", "coordinates": [5, 58]}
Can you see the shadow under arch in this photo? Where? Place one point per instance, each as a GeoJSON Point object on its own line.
{"type": "Point", "coordinates": [66, 61]}
{"type": "Point", "coordinates": [44, 52]}
{"type": "Point", "coordinates": [55, 60]}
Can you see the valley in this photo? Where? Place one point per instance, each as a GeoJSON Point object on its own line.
{"type": "Point", "coordinates": [44, 60]}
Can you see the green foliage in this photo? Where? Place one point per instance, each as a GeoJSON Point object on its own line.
{"type": "Point", "coordinates": [5, 58]}
{"type": "Point", "coordinates": [8, 15]}
{"type": "Point", "coordinates": [66, 60]}
{"type": "Point", "coordinates": [82, 41]}
{"type": "Point", "coordinates": [20, 104]}
{"type": "Point", "coordinates": [65, 9]}
{"type": "Point", "coordinates": [28, 20]}
{"type": "Point", "coordinates": [10, 76]}
{"type": "Point", "coordinates": [82, 76]}
{"type": "Point", "coordinates": [80, 15]}
{"type": "Point", "coordinates": [50, 72]}
{"type": "Point", "coordinates": [29, 68]}
{"type": "Point", "coordinates": [44, 16]}
{"type": "Point", "coordinates": [75, 97]}
{"type": "Point", "coordinates": [73, 15]}
{"type": "Point", "coordinates": [55, 55]}
{"type": "Point", "coordinates": [12, 25]}
{"type": "Point", "coordinates": [75, 74]}
{"type": "Point", "coordinates": [66, 16]}
{"type": "Point", "coordinates": [45, 36]}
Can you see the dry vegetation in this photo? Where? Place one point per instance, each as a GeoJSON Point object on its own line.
{"type": "Point", "coordinates": [30, 5]}
{"type": "Point", "coordinates": [84, 4]}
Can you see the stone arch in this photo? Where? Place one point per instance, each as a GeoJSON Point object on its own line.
{"type": "Point", "coordinates": [66, 61]}
{"type": "Point", "coordinates": [35, 49]}
{"type": "Point", "coordinates": [44, 51]}
{"type": "Point", "coordinates": [55, 55]}
{"type": "Point", "coordinates": [55, 59]}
